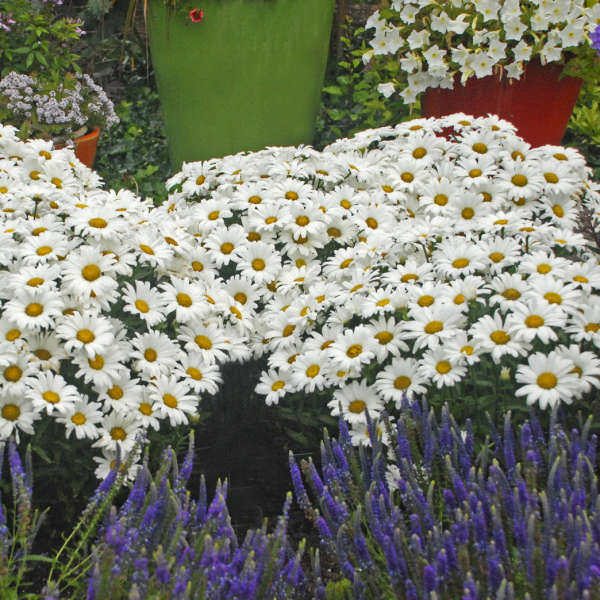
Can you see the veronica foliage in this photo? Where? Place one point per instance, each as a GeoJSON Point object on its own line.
{"type": "Point", "coordinates": [431, 517]}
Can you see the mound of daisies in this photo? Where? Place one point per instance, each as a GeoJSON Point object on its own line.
{"type": "Point", "coordinates": [405, 261]}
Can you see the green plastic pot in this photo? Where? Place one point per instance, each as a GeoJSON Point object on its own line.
{"type": "Point", "coordinates": [249, 75]}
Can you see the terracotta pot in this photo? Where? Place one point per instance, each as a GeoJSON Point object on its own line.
{"type": "Point", "coordinates": [539, 104]}
{"type": "Point", "coordinates": [85, 147]}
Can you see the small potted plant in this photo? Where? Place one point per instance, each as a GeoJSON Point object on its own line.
{"type": "Point", "coordinates": [42, 90]}
{"type": "Point", "coordinates": [521, 59]}
{"type": "Point", "coordinates": [74, 109]}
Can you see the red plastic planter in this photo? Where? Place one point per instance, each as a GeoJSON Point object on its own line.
{"type": "Point", "coordinates": [85, 147]}
{"type": "Point", "coordinates": [538, 104]}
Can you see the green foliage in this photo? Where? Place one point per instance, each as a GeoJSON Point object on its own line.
{"type": "Point", "coordinates": [350, 100]}
{"type": "Point", "coordinates": [134, 154]}
{"type": "Point", "coordinates": [584, 127]}
{"type": "Point", "coordinates": [37, 41]}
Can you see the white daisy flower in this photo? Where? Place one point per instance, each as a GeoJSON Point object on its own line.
{"type": "Point", "coordinates": [353, 401]}
{"type": "Point", "coordinates": [399, 379]}
{"type": "Point", "coordinates": [16, 414]}
{"type": "Point", "coordinates": [437, 367]}
{"type": "Point", "coordinates": [172, 399]}
{"type": "Point", "coordinates": [87, 332]}
{"type": "Point", "coordinates": [547, 380]}
{"type": "Point", "coordinates": [273, 385]}
{"type": "Point", "coordinates": [51, 394]}
{"type": "Point", "coordinates": [490, 334]}
{"type": "Point", "coordinates": [353, 348]}
{"type": "Point", "coordinates": [144, 301]}
{"type": "Point", "coordinates": [535, 319]}
{"type": "Point", "coordinates": [118, 430]}
{"type": "Point", "coordinates": [308, 371]}
{"type": "Point", "coordinates": [430, 325]}
{"type": "Point", "coordinates": [154, 353]}
{"type": "Point", "coordinates": [201, 377]}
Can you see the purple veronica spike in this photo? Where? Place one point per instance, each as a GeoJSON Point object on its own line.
{"type": "Point", "coordinates": [595, 37]}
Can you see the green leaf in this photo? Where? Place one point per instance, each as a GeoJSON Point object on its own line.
{"type": "Point", "coordinates": [334, 90]}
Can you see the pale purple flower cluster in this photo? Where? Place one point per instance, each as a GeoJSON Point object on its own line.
{"type": "Point", "coordinates": [84, 103]}
{"type": "Point", "coordinates": [161, 543]}
{"type": "Point", "coordinates": [519, 519]}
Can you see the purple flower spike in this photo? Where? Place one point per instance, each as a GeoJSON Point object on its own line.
{"type": "Point", "coordinates": [595, 37]}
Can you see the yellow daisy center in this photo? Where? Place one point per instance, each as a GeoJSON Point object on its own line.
{"type": "Point", "coordinates": [460, 263]}
{"type": "Point", "coordinates": [544, 268]}
{"type": "Point", "coordinates": [118, 434]}
{"type": "Point", "coordinates": [354, 350]}
{"type": "Point", "coordinates": [500, 337]}
{"type": "Point", "coordinates": [115, 392]}
{"type": "Point", "coordinates": [35, 309]}
{"type": "Point", "coordinates": [12, 335]}
{"type": "Point", "coordinates": [534, 321]}
{"type": "Point", "coordinates": [145, 408]}
{"type": "Point", "coordinates": [194, 373]}
{"type": "Point", "coordinates": [11, 412]}
{"type": "Point", "coordinates": [426, 300]}
{"type": "Point", "coordinates": [142, 306]}
{"type": "Point", "coordinates": [402, 382]}
{"type": "Point", "coordinates": [302, 221]}
{"type": "Point", "coordinates": [170, 400]}
{"type": "Point", "coordinates": [440, 199]}
{"type": "Point", "coordinates": [277, 385]}
{"type": "Point", "coordinates": [467, 213]}
{"type": "Point", "coordinates": [150, 354]}
{"type": "Point", "coordinates": [203, 342]}
{"type": "Point", "coordinates": [227, 248]}
{"type": "Point", "coordinates": [96, 363]}
{"type": "Point", "coordinates": [443, 367]}
{"type": "Point", "coordinates": [547, 380]}
{"type": "Point", "coordinates": [313, 371]}
{"type": "Point", "coordinates": [97, 222]}
{"type": "Point", "coordinates": [258, 264]}
{"type": "Point", "coordinates": [183, 299]}
{"type": "Point", "coordinates": [85, 336]}
{"type": "Point", "coordinates": [78, 419]}
{"type": "Point", "coordinates": [42, 354]}
{"type": "Point", "coordinates": [551, 177]}
{"type": "Point", "coordinates": [13, 373]}
{"type": "Point", "coordinates": [51, 397]}
{"type": "Point", "coordinates": [356, 406]}
{"type": "Point", "coordinates": [384, 337]}
{"type": "Point", "coordinates": [479, 147]}
{"type": "Point", "coordinates": [91, 272]}
{"type": "Point", "coordinates": [553, 298]}
{"type": "Point", "coordinates": [519, 180]}
{"type": "Point", "coordinates": [433, 327]}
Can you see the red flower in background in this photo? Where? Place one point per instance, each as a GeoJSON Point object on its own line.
{"type": "Point", "coordinates": [196, 15]}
